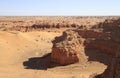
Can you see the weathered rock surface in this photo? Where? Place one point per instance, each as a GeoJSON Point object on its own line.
{"type": "Point", "coordinates": [38, 23]}
{"type": "Point", "coordinates": [112, 46]}
{"type": "Point", "coordinates": [113, 70]}
{"type": "Point", "coordinates": [68, 49]}
{"type": "Point", "coordinates": [108, 40]}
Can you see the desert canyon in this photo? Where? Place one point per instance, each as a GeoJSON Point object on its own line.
{"type": "Point", "coordinates": [60, 47]}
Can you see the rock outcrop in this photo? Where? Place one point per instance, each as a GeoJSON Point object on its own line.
{"type": "Point", "coordinates": [108, 39]}
{"type": "Point", "coordinates": [113, 69]}
{"type": "Point", "coordinates": [27, 24]}
{"type": "Point", "coordinates": [68, 49]}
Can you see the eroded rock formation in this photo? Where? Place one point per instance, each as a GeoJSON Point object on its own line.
{"type": "Point", "coordinates": [38, 23]}
{"type": "Point", "coordinates": [113, 70]}
{"type": "Point", "coordinates": [105, 37]}
{"type": "Point", "coordinates": [68, 49]}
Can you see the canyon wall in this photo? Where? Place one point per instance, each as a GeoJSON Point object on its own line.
{"type": "Point", "coordinates": [70, 47]}
{"type": "Point", "coordinates": [113, 69]}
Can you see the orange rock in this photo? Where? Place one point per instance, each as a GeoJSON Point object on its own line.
{"type": "Point", "coordinates": [68, 49]}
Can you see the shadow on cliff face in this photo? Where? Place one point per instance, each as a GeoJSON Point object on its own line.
{"type": "Point", "coordinates": [39, 63]}
{"type": "Point", "coordinates": [97, 55]}
{"type": "Point", "coordinates": [104, 47]}
{"type": "Point", "coordinates": [98, 50]}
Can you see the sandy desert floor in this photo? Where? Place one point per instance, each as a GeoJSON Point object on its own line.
{"type": "Point", "coordinates": [17, 47]}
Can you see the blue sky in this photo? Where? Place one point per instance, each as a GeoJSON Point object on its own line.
{"type": "Point", "coordinates": [59, 7]}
